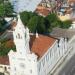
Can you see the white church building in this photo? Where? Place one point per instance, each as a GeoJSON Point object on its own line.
{"type": "Point", "coordinates": [35, 54]}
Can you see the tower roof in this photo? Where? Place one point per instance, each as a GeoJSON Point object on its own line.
{"type": "Point", "coordinates": [19, 23]}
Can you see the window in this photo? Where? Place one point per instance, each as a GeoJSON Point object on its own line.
{"type": "Point", "coordinates": [5, 68]}
{"type": "Point", "coordinates": [58, 42]}
{"type": "Point", "coordinates": [50, 54]}
{"type": "Point", "coordinates": [22, 65]}
{"type": "Point", "coordinates": [18, 35]}
{"type": "Point", "coordinates": [47, 57]}
{"type": "Point", "coordinates": [31, 71]}
{"type": "Point", "coordinates": [43, 62]}
{"type": "Point", "coordinates": [39, 66]}
{"type": "Point", "coordinates": [15, 68]}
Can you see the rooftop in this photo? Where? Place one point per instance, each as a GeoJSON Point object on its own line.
{"type": "Point", "coordinates": [38, 45]}
{"type": "Point", "coordinates": [41, 44]}
{"type": "Point", "coordinates": [4, 60]}
{"type": "Point", "coordinates": [41, 10]}
{"type": "Point", "coordinates": [67, 33]}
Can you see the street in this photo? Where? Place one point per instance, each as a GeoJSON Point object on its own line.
{"type": "Point", "coordinates": [69, 67]}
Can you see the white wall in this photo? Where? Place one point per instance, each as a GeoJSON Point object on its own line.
{"type": "Point", "coordinates": [51, 57]}
{"type": "Point", "coordinates": [23, 64]}
{"type": "Point", "coordinates": [2, 68]}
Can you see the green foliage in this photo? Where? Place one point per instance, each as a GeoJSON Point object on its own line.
{"type": "Point", "coordinates": [52, 17]}
{"type": "Point", "coordinates": [1, 10]}
{"type": "Point", "coordinates": [54, 21]}
{"type": "Point", "coordinates": [51, 21]}
{"type": "Point", "coordinates": [41, 28]}
{"type": "Point", "coordinates": [41, 24]}
{"type": "Point", "coordinates": [33, 21]}
{"type": "Point", "coordinates": [5, 8]}
{"type": "Point", "coordinates": [26, 16]}
{"type": "Point", "coordinates": [66, 24]}
{"type": "Point", "coordinates": [8, 9]}
{"type": "Point", "coordinates": [32, 24]}
{"type": "Point", "coordinates": [1, 1]}
{"type": "Point", "coordinates": [4, 49]}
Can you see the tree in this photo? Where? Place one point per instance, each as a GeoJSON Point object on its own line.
{"type": "Point", "coordinates": [53, 20]}
{"type": "Point", "coordinates": [41, 25]}
{"type": "Point", "coordinates": [66, 24]}
{"type": "Point", "coordinates": [52, 17]}
{"type": "Point", "coordinates": [32, 24]}
{"type": "Point", "coordinates": [1, 1]}
{"type": "Point", "coordinates": [5, 8]}
{"type": "Point", "coordinates": [8, 9]}
{"type": "Point", "coordinates": [5, 47]}
{"type": "Point", "coordinates": [26, 16]}
{"type": "Point", "coordinates": [1, 11]}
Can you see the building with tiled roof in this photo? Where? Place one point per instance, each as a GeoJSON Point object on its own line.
{"type": "Point", "coordinates": [35, 54]}
{"type": "Point", "coordinates": [43, 11]}
{"type": "Point", "coordinates": [71, 1]}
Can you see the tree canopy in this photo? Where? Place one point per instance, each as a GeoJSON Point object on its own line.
{"type": "Point", "coordinates": [43, 24]}
{"type": "Point", "coordinates": [1, 10]}
{"type": "Point", "coordinates": [5, 47]}
{"type": "Point", "coordinates": [6, 9]}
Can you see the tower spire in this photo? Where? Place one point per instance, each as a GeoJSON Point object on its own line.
{"type": "Point", "coordinates": [21, 37]}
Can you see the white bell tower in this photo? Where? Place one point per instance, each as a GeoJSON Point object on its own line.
{"type": "Point", "coordinates": [22, 62]}
{"type": "Point", "coordinates": [21, 37]}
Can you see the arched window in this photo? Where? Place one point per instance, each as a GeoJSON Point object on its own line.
{"type": "Point", "coordinates": [19, 36]}
{"type": "Point", "coordinates": [5, 68]}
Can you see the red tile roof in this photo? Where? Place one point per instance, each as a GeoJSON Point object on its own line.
{"type": "Point", "coordinates": [71, 1]}
{"type": "Point", "coordinates": [4, 60]}
{"type": "Point", "coordinates": [9, 43]}
{"type": "Point", "coordinates": [38, 45]}
{"type": "Point", "coordinates": [41, 44]}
